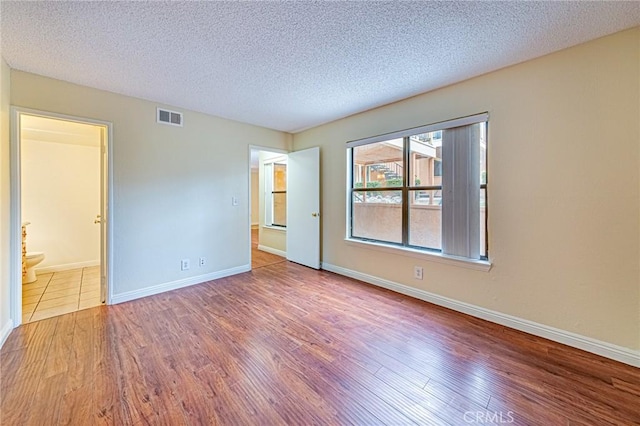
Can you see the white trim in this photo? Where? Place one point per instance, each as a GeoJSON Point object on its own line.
{"type": "Point", "coordinates": [447, 259]}
{"type": "Point", "coordinates": [67, 266]}
{"type": "Point", "coordinates": [267, 148]}
{"type": "Point", "coordinates": [280, 160]}
{"type": "Point", "coordinates": [443, 125]}
{"type": "Point", "coordinates": [608, 350]}
{"type": "Point", "coordinates": [174, 285]}
{"type": "Point", "coordinates": [272, 250]}
{"type": "Point", "coordinates": [5, 331]}
{"type": "Point", "coordinates": [275, 228]}
{"type": "Point", "coordinates": [107, 269]}
{"type": "Point", "coordinates": [15, 223]}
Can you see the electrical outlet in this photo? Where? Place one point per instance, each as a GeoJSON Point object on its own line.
{"type": "Point", "coordinates": [417, 272]}
{"type": "Point", "coordinates": [184, 264]}
{"type": "Point", "coordinates": [234, 201]}
{"type": "Point", "coordinates": [202, 261]}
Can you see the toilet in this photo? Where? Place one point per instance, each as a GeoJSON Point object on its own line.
{"type": "Point", "coordinates": [32, 259]}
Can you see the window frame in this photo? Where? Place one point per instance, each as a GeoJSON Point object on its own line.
{"type": "Point", "coordinates": [269, 193]}
{"type": "Point", "coordinates": [406, 189]}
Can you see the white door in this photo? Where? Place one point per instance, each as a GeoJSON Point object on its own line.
{"type": "Point", "coordinates": [303, 207]}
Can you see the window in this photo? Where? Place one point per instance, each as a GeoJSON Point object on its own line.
{"type": "Point", "coordinates": [422, 188]}
{"type": "Point", "coordinates": [276, 193]}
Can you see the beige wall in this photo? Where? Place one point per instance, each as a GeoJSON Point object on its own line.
{"type": "Point", "coordinates": [60, 191]}
{"type": "Point", "coordinates": [564, 210]}
{"type": "Point", "coordinates": [5, 293]}
{"type": "Point", "coordinates": [172, 186]}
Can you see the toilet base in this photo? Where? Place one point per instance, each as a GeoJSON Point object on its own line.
{"type": "Point", "coordinates": [30, 276]}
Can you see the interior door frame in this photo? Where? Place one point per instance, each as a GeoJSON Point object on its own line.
{"type": "Point", "coordinates": [15, 210]}
{"type": "Point", "coordinates": [256, 148]}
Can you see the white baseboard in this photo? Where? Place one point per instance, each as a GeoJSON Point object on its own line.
{"type": "Point", "coordinates": [173, 285]}
{"type": "Point", "coordinates": [5, 331]}
{"type": "Point", "coordinates": [608, 350]}
{"type": "Point", "coordinates": [272, 250]}
{"type": "Point", "coordinates": [67, 266]}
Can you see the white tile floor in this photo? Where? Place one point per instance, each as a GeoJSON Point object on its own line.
{"type": "Point", "coordinates": [59, 293]}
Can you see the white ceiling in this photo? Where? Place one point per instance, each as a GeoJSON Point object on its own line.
{"type": "Point", "coordinates": [290, 65]}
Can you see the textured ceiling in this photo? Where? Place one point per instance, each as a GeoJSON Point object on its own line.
{"type": "Point", "coordinates": [290, 65]}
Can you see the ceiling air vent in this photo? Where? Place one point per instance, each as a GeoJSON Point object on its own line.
{"type": "Point", "coordinates": [172, 118]}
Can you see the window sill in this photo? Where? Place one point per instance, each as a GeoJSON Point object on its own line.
{"type": "Point", "coordinates": [275, 228]}
{"type": "Point", "coordinates": [478, 265]}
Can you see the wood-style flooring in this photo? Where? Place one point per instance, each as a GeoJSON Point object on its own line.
{"type": "Point", "coordinates": [261, 258]}
{"type": "Point", "coordinates": [285, 344]}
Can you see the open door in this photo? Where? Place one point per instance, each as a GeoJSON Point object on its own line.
{"type": "Point", "coordinates": [303, 207]}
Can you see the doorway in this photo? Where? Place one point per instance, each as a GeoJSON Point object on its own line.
{"type": "Point", "coordinates": [288, 206]}
{"type": "Point", "coordinates": [268, 195]}
{"type": "Point", "coordinates": [59, 211]}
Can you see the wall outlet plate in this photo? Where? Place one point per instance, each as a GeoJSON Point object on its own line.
{"type": "Point", "coordinates": [184, 264]}
{"type": "Point", "coordinates": [417, 272]}
{"type": "Point", "coordinates": [202, 261]}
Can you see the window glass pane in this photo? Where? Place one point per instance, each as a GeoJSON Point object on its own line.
{"type": "Point", "coordinates": [377, 215]}
{"type": "Point", "coordinates": [279, 177]}
{"type": "Point", "coordinates": [483, 153]}
{"type": "Point", "coordinates": [425, 207]}
{"type": "Point", "coordinates": [378, 164]}
{"type": "Point", "coordinates": [425, 219]}
{"type": "Point", "coordinates": [280, 208]}
{"type": "Point", "coordinates": [426, 159]}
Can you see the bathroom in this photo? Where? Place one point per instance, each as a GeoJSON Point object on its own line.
{"type": "Point", "coordinates": [60, 177]}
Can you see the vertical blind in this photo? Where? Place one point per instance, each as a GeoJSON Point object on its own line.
{"type": "Point", "coordinates": [461, 191]}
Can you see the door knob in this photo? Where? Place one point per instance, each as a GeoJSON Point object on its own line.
{"type": "Point", "coordinates": [315, 214]}
{"type": "Point", "coordinates": [98, 219]}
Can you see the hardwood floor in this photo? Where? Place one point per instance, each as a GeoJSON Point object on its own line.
{"type": "Point", "coordinates": [261, 258]}
{"type": "Point", "coordinates": [285, 344]}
